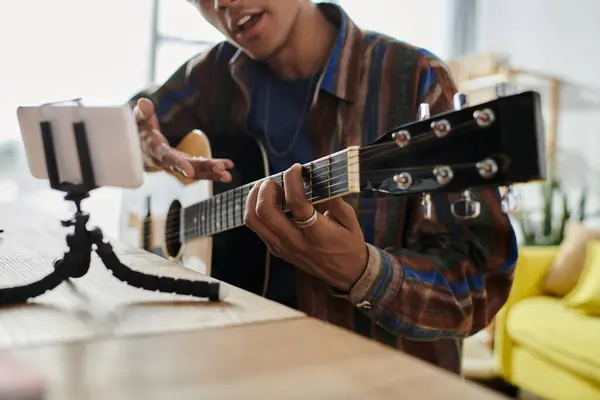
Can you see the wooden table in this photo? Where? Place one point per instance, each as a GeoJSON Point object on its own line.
{"type": "Point", "coordinates": [98, 338]}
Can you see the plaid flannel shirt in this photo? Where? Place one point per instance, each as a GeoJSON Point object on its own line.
{"type": "Point", "coordinates": [429, 283]}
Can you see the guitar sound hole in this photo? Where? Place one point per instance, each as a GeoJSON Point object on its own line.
{"type": "Point", "coordinates": [172, 229]}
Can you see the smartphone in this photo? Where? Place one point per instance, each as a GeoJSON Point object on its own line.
{"type": "Point", "coordinates": [113, 141]}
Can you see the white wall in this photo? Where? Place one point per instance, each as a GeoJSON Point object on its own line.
{"type": "Point", "coordinates": [561, 38]}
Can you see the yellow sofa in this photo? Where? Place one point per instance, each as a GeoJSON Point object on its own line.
{"type": "Point", "coordinates": [542, 345]}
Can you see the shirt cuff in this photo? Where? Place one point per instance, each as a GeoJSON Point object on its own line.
{"type": "Point", "coordinates": [379, 285]}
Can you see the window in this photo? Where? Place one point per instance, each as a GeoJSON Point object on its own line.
{"type": "Point", "coordinates": [180, 32]}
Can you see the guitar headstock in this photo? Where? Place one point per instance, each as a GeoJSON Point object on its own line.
{"type": "Point", "coordinates": [497, 143]}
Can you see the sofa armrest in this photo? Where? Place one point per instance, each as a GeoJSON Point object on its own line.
{"type": "Point", "coordinates": [532, 265]}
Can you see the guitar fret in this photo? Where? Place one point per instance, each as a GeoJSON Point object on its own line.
{"type": "Point", "coordinates": [227, 195]}
{"type": "Point", "coordinates": [222, 211]}
{"type": "Point", "coordinates": [320, 181]}
{"type": "Point", "coordinates": [310, 180]}
{"type": "Point", "coordinates": [233, 207]}
{"type": "Point", "coordinates": [219, 213]}
{"type": "Point", "coordinates": [329, 175]}
{"type": "Point", "coordinates": [214, 215]}
{"type": "Point", "coordinates": [281, 183]}
{"type": "Point", "coordinates": [204, 216]}
{"type": "Point", "coordinates": [241, 205]}
{"type": "Point", "coordinates": [339, 183]}
{"type": "Point", "coordinates": [196, 216]}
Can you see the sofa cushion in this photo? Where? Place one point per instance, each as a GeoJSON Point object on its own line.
{"type": "Point", "coordinates": [545, 326]}
{"type": "Point", "coordinates": [562, 276]}
{"type": "Point", "coordinates": [585, 297]}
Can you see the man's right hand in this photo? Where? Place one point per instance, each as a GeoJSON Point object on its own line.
{"type": "Point", "coordinates": [158, 153]}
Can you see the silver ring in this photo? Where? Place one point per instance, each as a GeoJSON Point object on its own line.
{"type": "Point", "coordinates": [308, 222]}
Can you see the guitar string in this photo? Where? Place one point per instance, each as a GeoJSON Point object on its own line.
{"type": "Point", "coordinates": [347, 163]}
{"type": "Point", "coordinates": [213, 217]}
{"type": "Point", "coordinates": [365, 157]}
{"type": "Point", "coordinates": [227, 201]}
{"type": "Point", "coordinates": [173, 233]}
{"type": "Point", "coordinates": [230, 222]}
{"type": "Point", "coordinates": [367, 154]}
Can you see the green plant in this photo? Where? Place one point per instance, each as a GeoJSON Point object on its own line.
{"type": "Point", "coordinates": [555, 213]}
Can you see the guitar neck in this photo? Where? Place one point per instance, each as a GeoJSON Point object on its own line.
{"type": "Point", "coordinates": [324, 179]}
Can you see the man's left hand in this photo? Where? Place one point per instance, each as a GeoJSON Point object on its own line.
{"type": "Point", "coordinates": [332, 247]}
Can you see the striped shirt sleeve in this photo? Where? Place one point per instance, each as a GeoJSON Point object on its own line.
{"type": "Point", "coordinates": [450, 277]}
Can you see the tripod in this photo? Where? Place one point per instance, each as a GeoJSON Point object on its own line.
{"type": "Point", "coordinates": [81, 242]}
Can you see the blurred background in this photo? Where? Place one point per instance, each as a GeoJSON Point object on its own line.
{"type": "Point", "coordinates": [105, 51]}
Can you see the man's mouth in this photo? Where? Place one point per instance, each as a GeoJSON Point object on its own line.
{"type": "Point", "coordinates": [247, 22]}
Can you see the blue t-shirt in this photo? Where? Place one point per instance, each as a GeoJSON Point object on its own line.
{"type": "Point", "coordinates": [278, 117]}
{"type": "Point", "coordinates": [278, 120]}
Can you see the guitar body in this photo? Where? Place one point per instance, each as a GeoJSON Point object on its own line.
{"type": "Point", "coordinates": [150, 217]}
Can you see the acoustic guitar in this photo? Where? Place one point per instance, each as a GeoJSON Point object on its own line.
{"type": "Point", "coordinates": [200, 224]}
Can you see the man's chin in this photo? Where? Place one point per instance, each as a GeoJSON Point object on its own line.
{"type": "Point", "coordinates": [258, 55]}
{"type": "Point", "coordinates": [259, 51]}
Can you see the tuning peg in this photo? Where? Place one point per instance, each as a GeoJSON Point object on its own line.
{"type": "Point", "coordinates": [510, 200]}
{"type": "Point", "coordinates": [465, 207]}
{"type": "Point", "coordinates": [403, 180]}
{"type": "Point", "coordinates": [503, 89]}
{"type": "Point", "coordinates": [484, 118]}
{"type": "Point", "coordinates": [459, 101]}
{"type": "Point", "coordinates": [487, 168]}
{"type": "Point", "coordinates": [441, 128]}
{"type": "Point", "coordinates": [427, 205]}
{"type": "Point", "coordinates": [443, 174]}
{"type": "Point", "coordinates": [424, 112]}
{"type": "Point", "coordinates": [402, 138]}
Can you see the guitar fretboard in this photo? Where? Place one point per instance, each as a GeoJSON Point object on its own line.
{"type": "Point", "coordinates": [326, 178]}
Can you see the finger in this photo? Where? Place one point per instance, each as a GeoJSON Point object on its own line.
{"type": "Point", "coordinates": [173, 159]}
{"type": "Point", "coordinates": [343, 213]}
{"type": "Point", "coordinates": [295, 196]}
{"type": "Point", "coordinates": [143, 110]}
{"type": "Point", "coordinates": [145, 116]}
{"type": "Point", "coordinates": [269, 210]}
{"type": "Point", "coordinates": [253, 222]}
{"type": "Point", "coordinates": [221, 164]}
{"type": "Point", "coordinates": [215, 169]}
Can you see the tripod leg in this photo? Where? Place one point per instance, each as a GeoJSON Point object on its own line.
{"type": "Point", "coordinates": [211, 290]}
{"type": "Point", "coordinates": [20, 294]}
{"type": "Point", "coordinates": [74, 264]}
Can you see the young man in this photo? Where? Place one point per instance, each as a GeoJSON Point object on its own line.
{"type": "Point", "coordinates": [306, 81]}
